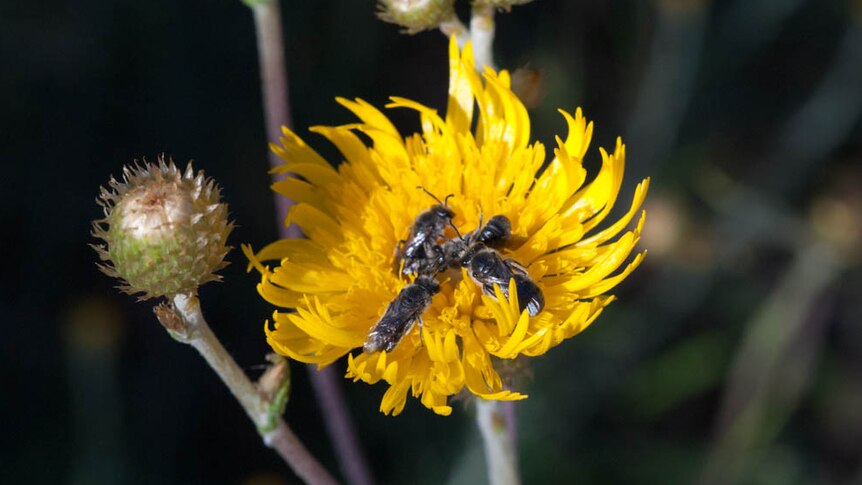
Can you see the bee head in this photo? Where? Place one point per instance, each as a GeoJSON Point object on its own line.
{"type": "Point", "coordinates": [428, 284]}
{"type": "Point", "coordinates": [443, 212]}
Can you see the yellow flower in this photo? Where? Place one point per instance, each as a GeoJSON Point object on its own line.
{"type": "Point", "coordinates": [339, 280]}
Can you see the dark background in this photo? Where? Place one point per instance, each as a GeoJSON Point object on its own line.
{"type": "Point", "coordinates": [734, 349]}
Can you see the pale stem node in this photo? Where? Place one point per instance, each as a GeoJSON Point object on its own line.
{"type": "Point", "coordinates": [482, 35]}
{"type": "Point", "coordinates": [454, 26]}
{"type": "Point", "coordinates": [274, 431]}
{"type": "Point", "coordinates": [499, 450]}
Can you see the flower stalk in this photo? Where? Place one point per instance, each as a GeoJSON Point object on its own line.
{"type": "Point", "coordinates": [274, 431]}
{"type": "Point", "coordinates": [482, 35]}
{"type": "Point", "coordinates": [496, 438]}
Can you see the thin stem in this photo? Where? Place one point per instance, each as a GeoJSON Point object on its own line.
{"type": "Point", "coordinates": [339, 426]}
{"type": "Point", "coordinates": [276, 435]}
{"type": "Point", "coordinates": [273, 86]}
{"type": "Point", "coordinates": [511, 417]}
{"type": "Point", "coordinates": [273, 78]}
{"type": "Point", "coordinates": [499, 450]}
{"type": "Point", "coordinates": [482, 35]}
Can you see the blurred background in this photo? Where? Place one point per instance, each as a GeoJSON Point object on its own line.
{"type": "Point", "coordinates": [734, 354]}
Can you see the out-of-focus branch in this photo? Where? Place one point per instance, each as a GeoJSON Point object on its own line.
{"type": "Point", "coordinates": [274, 86]}
{"type": "Point", "coordinates": [821, 124]}
{"type": "Point", "coordinates": [750, 24]}
{"type": "Point", "coordinates": [771, 367]}
{"type": "Point", "coordinates": [339, 426]}
{"type": "Point", "coordinates": [667, 84]}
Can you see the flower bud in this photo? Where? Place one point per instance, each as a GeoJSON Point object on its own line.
{"type": "Point", "coordinates": [164, 231]}
{"type": "Point", "coordinates": [416, 15]}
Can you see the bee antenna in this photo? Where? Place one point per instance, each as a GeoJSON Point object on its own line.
{"type": "Point", "coordinates": [456, 231]}
{"type": "Point", "coordinates": [430, 194]}
{"type": "Point", "coordinates": [443, 202]}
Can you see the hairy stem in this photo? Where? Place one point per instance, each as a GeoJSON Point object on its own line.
{"type": "Point", "coordinates": [277, 434]}
{"type": "Point", "coordinates": [499, 450]}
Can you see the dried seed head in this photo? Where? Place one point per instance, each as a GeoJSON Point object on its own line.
{"type": "Point", "coordinates": [164, 231]}
{"type": "Point", "coordinates": [416, 15]}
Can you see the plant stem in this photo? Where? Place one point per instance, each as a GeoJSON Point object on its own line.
{"type": "Point", "coordinates": [511, 417]}
{"type": "Point", "coordinates": [273, 78]}
{"type": "Point", "coordinates": [273, 86]}
{"type": "Point", "coordinates": [482, 35]}
{"type": "Point", "coordinates": [499, 449]}
{"type": "Point", "coordinates": [276, 435]}
{"type": "Point", "coordinates": [339, 426]}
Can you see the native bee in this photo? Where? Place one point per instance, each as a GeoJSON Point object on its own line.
{"type": "Point", "coordinates": [405, 310]}
{"type": "Point", "coordinates": [496, 232]}
{"type": "Point", "coordinates": [487, 267]}
{"type": "Point", "coordinates": [422, 253]}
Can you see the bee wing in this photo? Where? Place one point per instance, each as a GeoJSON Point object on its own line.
{"type": "Point", "coordinates": [417, 242]}
{"type": "Point", "coordinates": [389, 331]}
{"type": "Point", "coordinates": [516, 267]}
{"type": "Point", "coordinates": [488, 287]}
{"type": "Point", "coordinates": [400, 316]}
{"type": "Point", "coordinates": [529, 294]}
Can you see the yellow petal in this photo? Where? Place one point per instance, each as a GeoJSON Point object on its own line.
{"type": "Point", "coordinates": [459, 111]}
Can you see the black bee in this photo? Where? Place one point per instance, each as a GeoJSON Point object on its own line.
{"type": "Point", "coordinates": [486, 266]}
{"type": "Point", "coordinates": [422, 253]}
{"type": "Point", "coordinates": [401, 314]}
{"type": "Point", "coordinates": [496, 232]}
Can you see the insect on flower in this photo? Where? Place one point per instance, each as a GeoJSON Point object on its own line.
{"type": "Point", "coordinates": [332, 288]}
{"type": "Point", "coordinates": [399, 317]}
{"type": "Point", "coordinates": [487, 267]}
{"type": "Point", "coordinates": [421, 253]}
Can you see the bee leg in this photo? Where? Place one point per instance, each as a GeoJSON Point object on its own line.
{"type": "Point", "coordinates": [421, 322]}
{"type": "Point", "coordinates": [438, 259]}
